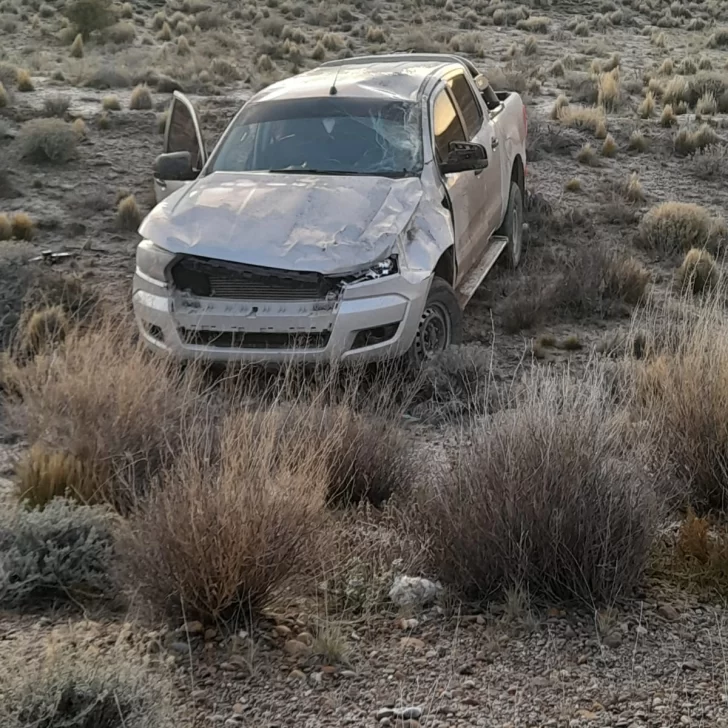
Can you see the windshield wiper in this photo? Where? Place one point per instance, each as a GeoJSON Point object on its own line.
{"type": "Point", "coordinates": [340, 173]}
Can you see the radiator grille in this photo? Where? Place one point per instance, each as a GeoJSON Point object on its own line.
{"type": "Point", "coordinates": [211, 279]}
{"type": "Point", "coordinates": [254, 340]}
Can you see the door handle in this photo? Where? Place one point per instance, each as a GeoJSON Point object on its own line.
{"type": "Point", "coordinates": [494, 143]}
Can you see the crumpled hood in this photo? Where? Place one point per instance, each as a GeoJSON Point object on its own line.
{"type": "Point", "coordinates": [327, 224]}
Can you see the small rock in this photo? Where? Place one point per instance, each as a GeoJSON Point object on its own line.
{"type": "Point", "coordinates": [412, 713]}
{"type": "Point", "coordinates": [407, 624]}
{"type": "Point", "coordinates": [641, 630]}
{"type": "Point", "coordinates": [210, 634]}
{"type": "Point", "coordinates": [181, 648]}
{"type": "Point", "coordinates": [297, 648]}
{"type": "Point", "coordinates": [348, 674]}
{"type": "Point", "coordinates": [306, 638]}
{"type": "Point", "coordinates": [668, 612]}
{"type": "Point", "coordinates": [413, 591]}
{"type": "Point", "coordinates": [384, 713]}
{"type": "Point", "coordinates": [692, 665]}
{"type": "Point", "coordinates": [238, 708]}
{"type": "Point", "coordinates": [297, 675]}
{"type": "Point", "coordinates": [282, 630]}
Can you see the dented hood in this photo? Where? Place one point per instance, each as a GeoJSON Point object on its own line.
{"type": "Point", "coordinates": [327, 224]}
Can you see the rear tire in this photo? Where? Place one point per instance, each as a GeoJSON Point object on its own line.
{"type": "Point", "coordinates": [441, 325]}
{"type": "Point", "coordinates": [512, 228]}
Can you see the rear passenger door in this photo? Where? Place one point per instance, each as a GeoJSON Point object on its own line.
{"type": "Point", "coordinates": [480, 129]}
{"type": "Point", "coordinates": [463, 187]}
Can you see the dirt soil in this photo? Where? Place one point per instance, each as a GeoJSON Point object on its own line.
{"type": "Point", "coordinates": [663, 662]}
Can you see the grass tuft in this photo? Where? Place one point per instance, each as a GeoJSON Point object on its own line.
{"type": "Point", "coordinates": [698, 272]}
{"type": "Point", "coordinates": [141, 98]}
{"type": "Point", "coordinates": [679, 226]}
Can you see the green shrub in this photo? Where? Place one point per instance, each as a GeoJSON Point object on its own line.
{"type": "Point", "coordinates": [90, 15]}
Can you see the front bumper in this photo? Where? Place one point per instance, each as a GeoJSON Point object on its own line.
{"type": "Point", "coordinates": [215, 330]}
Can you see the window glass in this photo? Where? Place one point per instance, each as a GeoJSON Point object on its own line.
{"type": "Point", "coordinates": [446, 125]}
{"type": "Point", "coordinates": [469, 106]}
{"type": "Point", "coordinates": [182, 135]}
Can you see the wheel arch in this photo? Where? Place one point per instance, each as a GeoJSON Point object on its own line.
{"type": "Point", "coordinates": [518, 174]}
{"type": "Point", "coordinates": [445, 267]}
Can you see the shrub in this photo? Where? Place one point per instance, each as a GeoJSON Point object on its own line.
{"type": "Point", "coordinates": [633, 190]}
{"type": "Point", "coordinates": [141, 98]}
{"type": "Point", "coordinates": [609, 147]}
{"type": "Point", "coordinates": [231, 522]}
{"type": "Point", "coordinates": [676, 90]}
{"type": "Point", "coordinates": [75, 686]}
{"type": "Point", "coordinates": [535, 24]}
{"type": "Point", "coordinates": [43, 329]}
{"type": "Point", "coordinates": [165, 33]}
{"type": "Point", "coordinates": [110, 102]}
{"type": "Point", "coordinates": [570, 516]}
{"type": "Point", "coordinates": [678, 226]}
{"type": "Point", "coordinates": [668, 118]}
{"type": "Point", "coordinates": [557, 69]}
{"type": "Point", "coordinates": [4, 97]}
{"type": "Point", "coordinates": [587, 155]}
{"type": "Point", "coordinates": [638, 142]}
{"type": "Point", "coordinates": [530, 47]}
{"type": "Point", "coordinates": [581, 117]}
{"type": "Point", "coordinates": [89, 15]}
{"type": "Point", "coordinates": [23, 81]}
{"type": "Point", "coordinates": [573, 185]}
{"type": "Point", "coordinates": [688, 67]}
{"type": "Point", "coordinates": [102, 400]}
{"type": "Point", "coordinates": [61, 552]}
{"type": "Point", "coordinates": [608, 86]}
{"type": "Point", "coordinates": [183, 46]}
{"type": "Point", "coordinates": [319, 52]}
{"type": "Point", "coordinates": [375, 35]}
{"type": "Point", "coordinates": [667, 68]}
{"type": "Point", "coordinates": [682, 387]}
{"type": "Point", "coordinates": [688, 142]}
{"type": "Point", "coordinates": [121, 33]}
{"type": "Point", "coordinates": [22, 226]}
{"type": "Point", "coordinates": [56, 106]}
{"type": "Point", "coordinates": [698, 271]}
{"type": "Point", "coordinates": [79, 128]}
{"type": "Point", "coordinates": [562, 102]}
{"type": "Point", "coordinates": [647, 107]}
{"type": "Point", "coordinates": [719, 39]}
{"type": "Point", "coordinates": [707, 104]}
{"type": "Point", "coordinates": [128, 214]}
{"type": "Point", "coordinates": [47, 140]}
{"type": "Point", "coordinates": [6, 228]}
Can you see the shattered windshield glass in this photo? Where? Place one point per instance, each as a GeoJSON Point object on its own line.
{"type": "Point", "coordinates": [325, 135]}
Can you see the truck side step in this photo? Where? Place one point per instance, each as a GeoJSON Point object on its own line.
{"type": "Point", "coordinates": [467, 288]}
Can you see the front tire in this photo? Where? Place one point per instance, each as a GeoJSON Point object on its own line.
{"type": "Point", "coordinates": [512, 228]}
{"type": "Point", "coordinates": [441, 325]}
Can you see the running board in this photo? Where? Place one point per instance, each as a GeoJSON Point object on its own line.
{"type": "Point", "coordinates": [466, 289]}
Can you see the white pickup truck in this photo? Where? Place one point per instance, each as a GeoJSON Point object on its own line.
{"type": "Point", "coordinates": [346, 214]}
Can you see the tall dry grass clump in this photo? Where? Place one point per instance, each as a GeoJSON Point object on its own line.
{"type": "Point", "coordinates": [674, 227]}
{"type": "Point", "coordinates": [101, 403]}
{"type": "Point", "coordinates": [550, 497]}
{"type": "Point", "coordinates": [681, 387]}
{"type": "Point", "coordinates": [234, 516]}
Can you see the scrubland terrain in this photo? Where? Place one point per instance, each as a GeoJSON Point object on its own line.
{"type": "Point", "coordinates": [198, 548]}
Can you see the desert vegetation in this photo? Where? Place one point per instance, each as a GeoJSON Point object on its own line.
{"type": "Point", "coordinates": [176, 543]}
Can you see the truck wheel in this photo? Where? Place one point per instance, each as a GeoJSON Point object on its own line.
{"type": "Point", "coordinates": [441, 325]}
{"type": "Point", "coordinates": [512, 228]}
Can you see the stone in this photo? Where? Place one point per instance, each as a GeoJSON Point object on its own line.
{"type": "Point", "coordinates": [414, 591]}
{"type": "Point", "coordinates": [297, 648]}
{"type": "Point", "coordinates": [193, 627]}
{"type": "Point", "coordinates": [238, 708]}
{"type": "Point", "coordinates": [282, 630]}
{"type": "Point", "coordinates": [306, 638]}
{"type": "Point", "coordinates": [411, 713]}
{"type": "Point", "coordinates": [210, 634]}
{"type": "Point", "coordinates": [297, 675]}
{"type": "Point", "coordinates": [668, 612]}
{"type": "Point", "coordinates": [613, 639]}
{"type": "Point", "coordinates": [412, 643]}
{"type": "Point", "coordinates": [407, 624]}
{"type": "Point", "coordinates": [384, 713]}
{"type": "Point", "coordinates": [181, 648]}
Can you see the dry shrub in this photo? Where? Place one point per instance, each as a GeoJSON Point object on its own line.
{"type": "Point", "coordinates": [609, 147]}
{"type": "Point", "coordinates": [56, 106]}
{"type": "Point", "coordinates": [89, 15]}
{"type": "Point", "coordinates": [535, 24]}
{"type": "Point", "coordinates": [719, 39]}
{"type": "Point", "coordinates": [647, 107]}
{"type": "Point", "coordinates": [707, 104]}
{"type": "Point", "coordinates": [587, 155]}
{"type": "Point", "coordinates": [75, 686]}
{"type": "Point", "coordinates": [608, 90]}
{"type": "Point", "coordinates": [698, 271]}
{"type": "Point", "coordinates": [667, 68]}
{"type": "Point", "coordinates": [676, 90]}
{"type": "Point", "coordinates": [688, 67]}
{"type": "Point", "coordinates": [4, 96]}
{"type": "Point", "coordinates": [633, 190]}
{"type": "Point", "coordinates": [638, 142]}
{"type": "Point", "coordinates": [128, 214]}
{"type": "Point", "coordinates": [22, 226]}
{"type": "Point", "coordinates": [573, 185]}
{"type": "Point", "coordinates": [530, 47]}
{"type": "Point", "coordinates": [667, 117]}
{"type": "Point", "coordinates": [79, 128]}
{"type": "Point", "coordinates": [674, 227]}
{"type": "Point", "coordinates": [23, 81]}
{"type": "Point", "coordinates": [165, 33]}
{"type": "Point", "coordinates": [682, 390]}
{"type": "Point", "coordinates": [549, 496]}
{"type": "Point", "coordinates": [102, 400]}
{"type": "Point", "coordinates": [47, 140]}
{"type": "Point", "coordinates": [62, 552]}
{"type": "Point", "coordinates": [231, 521]}
{"type": "Point", "coordinates": [561, 102]}
{"type": "Point", "coordinates": [712, 164]}
{"type": "Point", "coordinates": [121, 33]}
{"type": "Point", "coordinates": [110, 102]}
{"type": "Point", "coordinates": [6, 228]}
{"type": "Point", "coordinates": [581, 117]}
{"type": "Point", "coordinates": [44, 329]}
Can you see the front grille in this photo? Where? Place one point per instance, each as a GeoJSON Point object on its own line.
{"type": "Point", "coordinates": [254, 340]}
{"type": "Point", "coordinates": [233, 281]}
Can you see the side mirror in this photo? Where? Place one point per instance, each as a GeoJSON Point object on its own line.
{"type": "Point", "coordinates": [174, 166]}
{"type": "Point", "coordinates": [464, 157]}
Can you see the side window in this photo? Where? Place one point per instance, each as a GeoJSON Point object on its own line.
{"type": "Point", "coordinates": [465, 98]}
{"type": "Point", "coordinates": [182, 134]}
{"type": "Point", "coordinates": [446, 125]}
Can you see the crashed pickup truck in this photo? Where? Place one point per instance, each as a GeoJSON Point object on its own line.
{"type": "Point", "coordinates": [346, 214]}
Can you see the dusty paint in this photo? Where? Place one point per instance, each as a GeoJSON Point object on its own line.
{"type": "Point", "coordinates": [331, 225]}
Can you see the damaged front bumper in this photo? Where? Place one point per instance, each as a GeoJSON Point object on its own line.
{"type": "Point", "coordinates": [367, 320]}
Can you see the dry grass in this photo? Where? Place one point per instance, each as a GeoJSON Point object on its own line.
{"type": "Point", "coordinates": [633, 190]}
{"type": "Point", "coordinates": [44, 329]}
{"type": "Point", "coordinates": [562, 102]}
{"type": "Point", "coordinates": [608, 90]}
{"type": "Point", "coordinates": [571, 516]}
{"type": "Point", "coordinates": [647, 106]}
{"type": "Point", "coordinates": [535, 24]}
{"type": "Point", "coordinates": [674, 227]}
{"type": "Point", "coordinates": [4, 97]}
{"type": "Point", "coordinates": [581, 117]}
{"type": "Point", "coordinates": [609, 147]}
{"type": "Point", "coordinates": [587, 155]}
{"type": "Point", "coordinates": [232, 520]}
{"type": "Point", "coordinates": [719, 39]}
{"type": "Point", "coordinates": [707, 104]}
{"type": "Point", "coordinates": [682, 391]}
{"type": "Point", "coordinates": [110, 102]}
{"type": "Point", "coordinates": [6, 228]}
{"type": "Point", "coordinates": [687, 141]}
{"type": "Point", "coordinates": [667, 117]}
{"type": "Point", "coordinates": [698, 272]}
{"type": "Point", "coordinates": [23, 81]}
{"type": "Point", "coordinates": [141, 98]}
{"type": "Point", "coordinates": [676, 90]}
{"type": "Point", "coordinates": [667, 68]}
{"type": "Point", "coordinates": [79, 128]}
{"type": "Point", "coordinates": [22, 226]}
{"type": "Point", "coordinates": [128, 214]}
{"type": "Point", "coordinates": [638, 142]}
{"type": "Point", "coordinates": [573, 185]}
{"type": "Point", "coordinates": [47, 140]}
